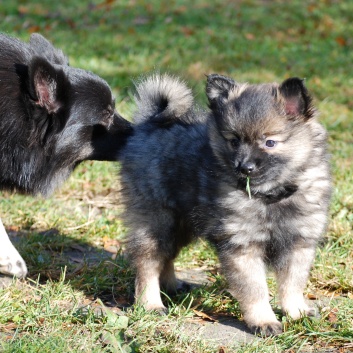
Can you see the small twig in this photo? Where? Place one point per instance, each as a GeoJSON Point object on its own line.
{"type": "Point", "coordinates": [80, 226]}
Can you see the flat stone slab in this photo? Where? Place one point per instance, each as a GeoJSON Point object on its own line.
{"type": "Point", "coordinates": [225, 331]}
{"type": "Point", "coordinates": [219, 330]}
{"type": "Point", "coordinates": [194, 277]}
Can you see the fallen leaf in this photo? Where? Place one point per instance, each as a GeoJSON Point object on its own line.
{"type": "Point", "coordinates": [187, 31]}
{"type": "Point", "coordinates": [332, 317]}
{"type": "Point", "coordinates": [181, 9]}
{"type": "Point", "coordinates": [9, 326]}
{"type": "Point", "coordinates": [341, 41]}
{"type": "Point", "coordinates": [312, 296]}
{"type": "Point", "coordinates": [23, 10]}
{"type": "Point", "coordinates": [204, 316]}
{"type": "Point", "coordinates": [34, 29]}
{"type": "Point", "coordinates": [13, 228]}
{"type": "Point", "coordinates": [111, 245]}
{"type": "Point", "coordinates": [41, 320]}
{"type": "Point", "coordinates": [105, 3]}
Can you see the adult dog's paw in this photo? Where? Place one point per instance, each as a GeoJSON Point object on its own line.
{"type": "Point", "coordinates": [13, 265]}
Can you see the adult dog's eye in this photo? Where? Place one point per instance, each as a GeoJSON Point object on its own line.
{"type": "Point", "coordinates": [270, 143]}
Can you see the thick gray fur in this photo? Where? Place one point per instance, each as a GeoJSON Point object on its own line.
{"type": "Point", "coordinates": [184, 175]}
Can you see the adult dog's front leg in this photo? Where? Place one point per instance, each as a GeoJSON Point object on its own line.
{"type": "Point", "coordinates": [11, 262]}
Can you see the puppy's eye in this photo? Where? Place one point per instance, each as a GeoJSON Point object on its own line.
{"type": "Point", "coordinates": [234, 141]}
{"type": "Point", "coordinates": [270, 143]}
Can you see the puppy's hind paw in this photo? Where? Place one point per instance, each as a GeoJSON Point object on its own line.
{"type": "Point", "coordinates": [160, 310]}
{"type": "Point", "coordinates": [313, 312]}
{"type": "Point", "coordinates": [267, 329]}
{"type": "Point", "coordinates": [178, 287]}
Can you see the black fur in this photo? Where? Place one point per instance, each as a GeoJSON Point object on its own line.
{"type": "Point", "coordinates": [52, 116]}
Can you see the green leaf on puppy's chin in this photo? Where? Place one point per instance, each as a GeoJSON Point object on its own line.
{"type": "Point", "coordinates": [248, 187]}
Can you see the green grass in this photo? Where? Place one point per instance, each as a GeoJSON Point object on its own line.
{"type": "Point", "coordinates": [59, 308]}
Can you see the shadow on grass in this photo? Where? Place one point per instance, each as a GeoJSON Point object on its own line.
{"type": "Point", "coordinates": [105, 275]}
{"type": "Point", "coordinates": [100, 273]}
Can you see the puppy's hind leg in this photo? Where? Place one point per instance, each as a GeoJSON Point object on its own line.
{"type": "Point", "coordinates": [11, 262]}
{"type": "Point", "coordinates": [147, 252]}
{"type": "Point", "coordinates": [147, 289]}
{"type": "Point", "coordinates": [169, 282]}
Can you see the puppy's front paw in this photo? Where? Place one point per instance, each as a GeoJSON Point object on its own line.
{"type": "Point", "coordinates": [261, 320]}
{"type": "Point", "coordinates": [267, 329]}
{"type": "Point", "coordinates": [297, 308]}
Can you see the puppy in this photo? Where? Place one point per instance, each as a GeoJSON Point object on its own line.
{"type": "Point", "coordinates": [251, 175]}
{"type": "Point", "coordinates": [52, 117]}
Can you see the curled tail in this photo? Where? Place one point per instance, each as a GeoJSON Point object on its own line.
{"type": "Point", "coordinates": [162, 99]}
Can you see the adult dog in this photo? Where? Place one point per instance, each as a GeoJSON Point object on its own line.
{"type": "Point", "coordinates": [52, 117]}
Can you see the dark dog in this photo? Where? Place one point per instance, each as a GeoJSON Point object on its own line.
{"type": "Point", "coordinates": [52, 117]}
{"type": "Point", "coordinates": [185, 173]}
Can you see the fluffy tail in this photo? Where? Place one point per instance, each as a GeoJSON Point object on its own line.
{"type": "Point", "coordinates": [162, 99]}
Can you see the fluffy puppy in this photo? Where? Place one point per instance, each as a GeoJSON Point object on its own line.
{"type": "Point", "coordinates": [251, 175]}
{"type": "Point", "coordinates": [52, 117]}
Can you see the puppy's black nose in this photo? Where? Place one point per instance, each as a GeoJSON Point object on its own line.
{"type": "Point", "coordinates": [247, 168]}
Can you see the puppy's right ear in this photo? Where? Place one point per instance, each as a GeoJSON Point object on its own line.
{"type": "Point", "coordinates": [48, 84]}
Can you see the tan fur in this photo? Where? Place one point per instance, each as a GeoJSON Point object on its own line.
{"type": "Point", "coordinates": [189, 180]}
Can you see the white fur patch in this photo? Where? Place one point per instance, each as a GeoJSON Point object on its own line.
{"type": "Point", "coordinates": [11, 262]}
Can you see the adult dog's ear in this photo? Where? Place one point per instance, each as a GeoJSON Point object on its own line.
{"type": "Point", "coordinates": [48, 84]}
{"type": "Point", "coordinates": [296, 98]}
{"type": "Point", "coordinates": [43, 48]}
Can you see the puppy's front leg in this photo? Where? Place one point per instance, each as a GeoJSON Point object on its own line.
{"type": "Point", "coordinates": [292, 277]}
{"type": "Point", "coordinates": [245, 271]}
{"type": "Point", "coordinates": [11, 262]}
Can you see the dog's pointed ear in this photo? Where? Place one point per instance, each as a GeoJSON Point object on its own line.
{"type": "Point", "coordinates": [47, 83]}
{"type": "Point", "coordinates": [218, 88]}
{"type": "Point", "coordinates": [297, 101]}
{"type": "Point", "coordinates": [42, 47]}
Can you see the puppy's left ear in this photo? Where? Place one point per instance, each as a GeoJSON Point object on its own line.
{"type": "Point", "coordinates": [48, 83]}
{"type": "Point", "coordinates": [297, 100]}
{"type": "Point", "coordinates": [218, 89]}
